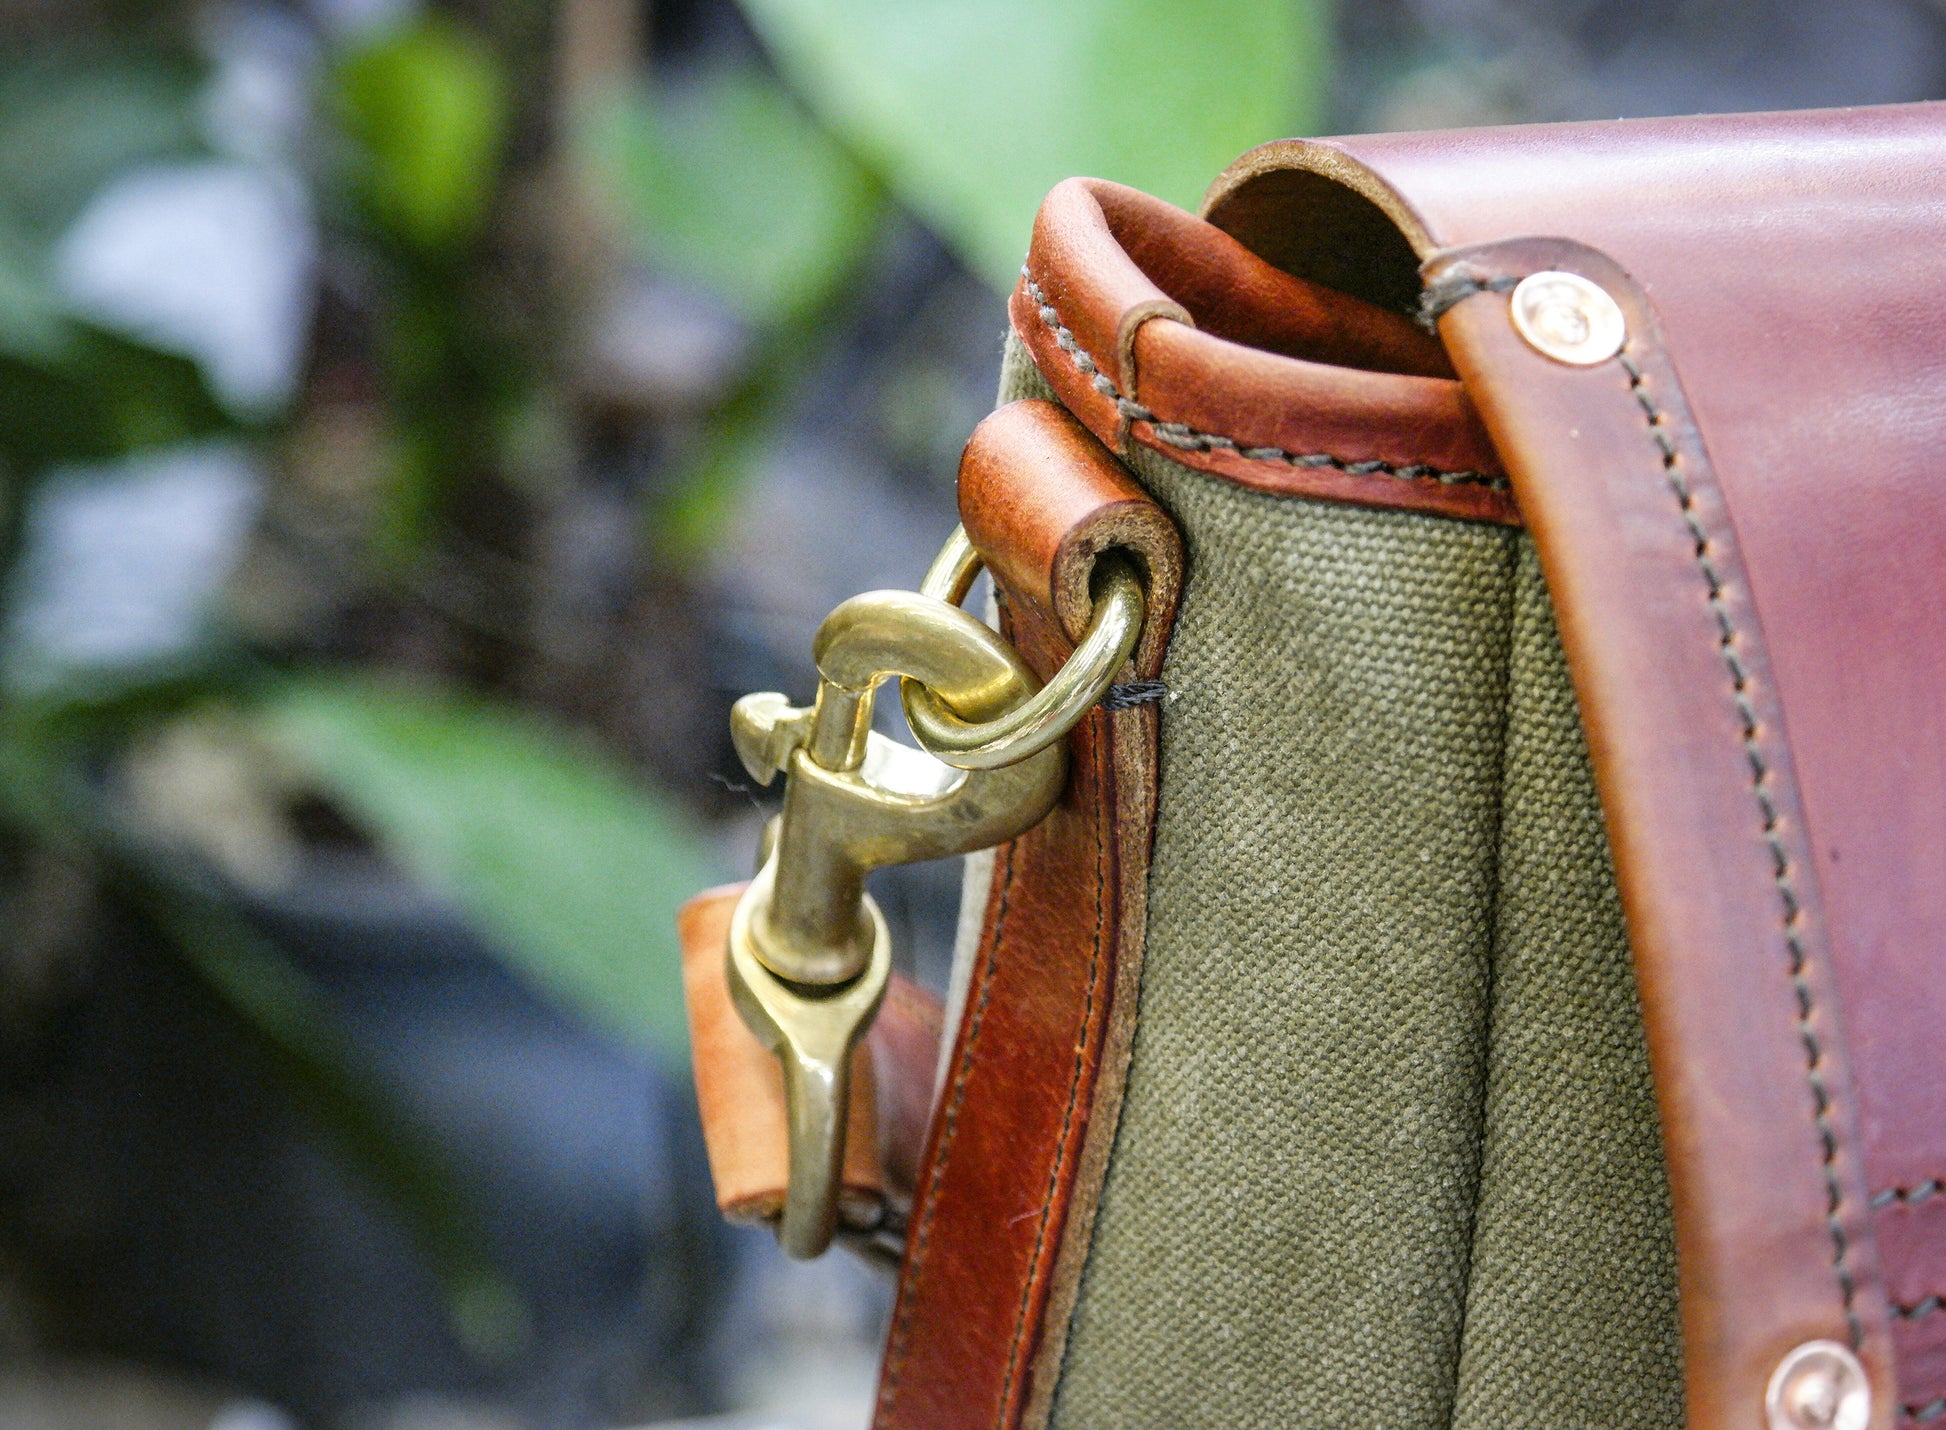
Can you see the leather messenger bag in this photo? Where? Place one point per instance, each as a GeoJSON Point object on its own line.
{"type": "Point", "coordinates": [1469, 943]}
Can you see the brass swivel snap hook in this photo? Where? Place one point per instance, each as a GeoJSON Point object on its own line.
{"type": "Point", "coordinates": [809, 953]}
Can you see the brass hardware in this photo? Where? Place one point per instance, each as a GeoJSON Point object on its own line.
{"type": "Point", "coordinates": [1819, 1386]}
{"type": "Point", "coordinates": [813, 1038]}
{"type": "Point", "coordinates": [809, 954]}
{"type": "Point", "coordinates": [1038, 722]}
{"type": "Point", "coordinates": [1568, 318]}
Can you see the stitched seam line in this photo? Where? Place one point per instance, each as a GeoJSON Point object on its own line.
{"type": "Point", "coordinates": [1446, 293]}
{"type": "Point", "coordinates": [1183, 437]}
{"type": "Point", "coordinates": [1074, 1085]}
{"type": "Point", "coordinates": [949, 1126]}
{"type": "Point", "coordinates": [1918, 1311]}
{"type": "Point", "coordinates": [1760, 787]}
{"type": "Point", "coordinates": [1134, 693]}
{"type": "Point", "coordinates": [1911, 1196]}
{"type": "Point", "coordinates": [1931, 1410]}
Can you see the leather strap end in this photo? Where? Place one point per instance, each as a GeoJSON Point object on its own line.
{"type": "Point", "coordinates": [904, 1044]}
{"type": "Point", "coordinates": [740, 1087]}
{"type": "Point", "coordinates": [1041, 499]}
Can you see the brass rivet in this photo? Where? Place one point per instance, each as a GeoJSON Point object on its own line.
{"type": "Point", "coordinates": [1819, 1386]}
{"type": "Point", "coordinates": [1568, 318]}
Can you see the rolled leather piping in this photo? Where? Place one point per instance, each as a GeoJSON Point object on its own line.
{"type": "Point", "coordinates": [1154, 326]}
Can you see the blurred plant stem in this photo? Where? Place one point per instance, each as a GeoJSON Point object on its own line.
{"type": "Point", "coordinates": [426, 110]}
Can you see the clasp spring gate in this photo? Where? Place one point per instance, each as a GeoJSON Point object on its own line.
{"type": "Point", "coordinates": [809, 953]}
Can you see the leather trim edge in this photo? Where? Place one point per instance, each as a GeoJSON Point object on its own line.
{"type": "Point", "coordinates": [1087, 391]}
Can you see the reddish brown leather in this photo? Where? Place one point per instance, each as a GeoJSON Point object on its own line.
{"type": "Point", "coordinates": [1045, 499]}
{"type": "Point", "coordinates": [1027, 1112]}
{"type": "Point", "coordinates": [904, 1044]}
{"type": "Point", "coordinates": [740, 1087]}
{"type": "Point", "coordinates": [1117, 257]}
{"type": "Point", "coordinates": [1725, 916]}
{"type": "Point", "coordinates": [1793, 360]}
{"type": "Point", "coordinates": [1275, 383]}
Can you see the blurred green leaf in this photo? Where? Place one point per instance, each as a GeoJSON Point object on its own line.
{"type": "Point", "coordinates": [294, 1027]}
{"type": "Point", "coordinates": [427, 107]}
{"type": "Point", "coordinates": [973, 109]}
{"type": "Point", "coordinates": [72, 120]}
{"type": "Point", "coordinates": [98, 396]}
{"type": "Point", "coordinates": [725, 180]}
{"type": "Point", "coordinates": [574, 868]}
{"type": "Point", "coordinates": [32, 323]}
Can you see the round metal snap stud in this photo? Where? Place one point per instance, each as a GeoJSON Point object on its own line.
{"type": "Point", "coordinates": [1819, 1386]}
{"type": "Point", "coordinates": [1568, 318]}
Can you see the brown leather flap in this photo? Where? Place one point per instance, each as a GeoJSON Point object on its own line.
{"type": "Point", "coordinates": [1743, 522]}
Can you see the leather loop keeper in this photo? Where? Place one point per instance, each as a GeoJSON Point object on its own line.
{"type": "Point", "coordinates": [1041, 499]}
{"type": "Point", "coordinates": [740, 1086]}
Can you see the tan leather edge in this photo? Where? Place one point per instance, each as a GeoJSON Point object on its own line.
{"type": "Point", "coordinates": [1406, 442]}
{"type": "Point", "coordinates": [1325, 158]}
{"type": "Point", "coordinates": [1692, 757]}
{"type": "Point", "coordinates": [1041, 499]}
{"type": "Point", "coordinates": [1129, 327]}
{"type": "Point", "coordinates": [740, 1086]}
{"type": "Point", "coordinates": [1117, 257]}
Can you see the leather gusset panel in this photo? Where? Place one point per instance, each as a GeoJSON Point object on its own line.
{"type": "Point", "coordinates": [1012, 1117]}
{"type": "Point", "coordinates": [1030, 1090]}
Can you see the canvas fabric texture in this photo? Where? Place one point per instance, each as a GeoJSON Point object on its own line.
{"type": "Point", "coordinates": [1388, 1153]}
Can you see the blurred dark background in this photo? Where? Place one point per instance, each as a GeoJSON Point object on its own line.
{"type": "Point", "coordinates": [418, 422]}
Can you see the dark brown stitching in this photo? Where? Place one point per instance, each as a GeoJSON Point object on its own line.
{"type": "Point", "coordinates": [1760, 781]}
{"type": "Point", "coordinates": [1074, 1083]}
{"type": "Point", "coordinates": [1931, 1410]}
{"type": "Point", "coordinates": [1911, 1196]}
{"type": "Point", "coordinates": [1183, 437]}
{"type": "Point", "coordinates": [1451, 289]}
{"type": "Point", "coordinates": [895, 1348]}
{"type": "Point", "coordinates": [1134, 693]}
{"type": "Point", "coordinates": [1918, 1310]}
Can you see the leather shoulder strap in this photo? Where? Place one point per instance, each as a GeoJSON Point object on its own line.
{"type": "Point", "coordinates": [1742, 518]}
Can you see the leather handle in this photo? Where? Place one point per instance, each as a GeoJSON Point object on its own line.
{"type": "Point", "coordinates": [1159, 330]}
